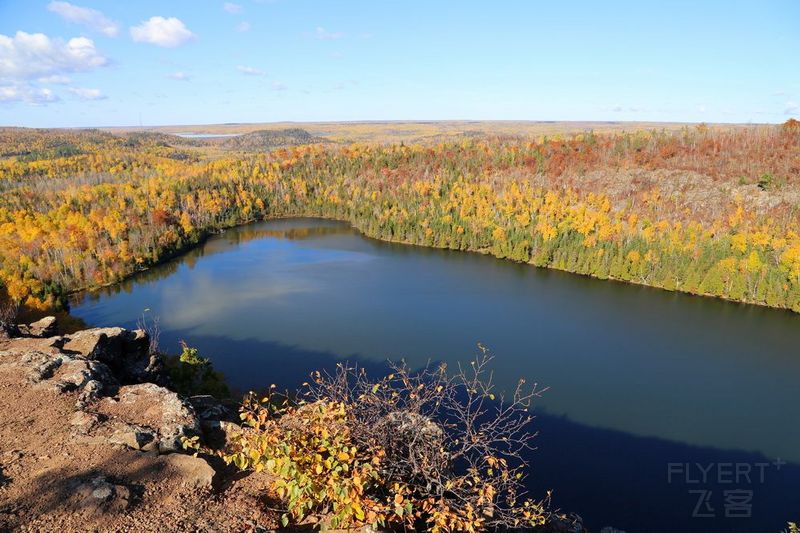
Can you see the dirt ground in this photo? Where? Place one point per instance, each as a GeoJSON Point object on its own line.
{"type": "Point", "coordinates": [51, 480]}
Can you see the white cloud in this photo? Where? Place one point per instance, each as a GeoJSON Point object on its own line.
{"type": "Point", "coordinates": [167, 32]}
{"type": "Point", "coordinates": [325, 35]}
{"type": "Point", "coordinates": [34, 55]}
{"type": "Point", "coordinates": [27, 93]}
{"type": "Point", "coordinates": [87, 94]}
{"type": "Point", "coordinates": [243, 27]}
{"type": "Point", "coordinates": [791, 108]}
{"type": "Point", "coordinates": [180, 76]}
{"type": "Point", "coordinates": [250, 71]}
{"type": "Point", "coordinates": [55, 79]}
{"type": "Point", "coordinates": [278, 86]}
{"type": "Point", "coordinates": [232, 8]}
{"type": "Point", "coordinates": [91, 18]}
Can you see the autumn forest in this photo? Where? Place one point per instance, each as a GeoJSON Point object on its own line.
{"type": "Point", "coordinates": [700, 210]}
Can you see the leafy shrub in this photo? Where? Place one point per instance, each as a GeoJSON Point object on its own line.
{"type": "Point", "coordinates": [192, 374]}
{"type": "Point", "coordinates": [311, 452]}
{"type": "Point", "coordinates": [420, 449]}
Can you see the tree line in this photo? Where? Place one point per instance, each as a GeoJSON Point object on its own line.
{"type": "Point", "coordinates": [82, 209]}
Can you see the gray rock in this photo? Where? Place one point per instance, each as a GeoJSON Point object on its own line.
{"type": "Point", "coordinates": [99, 495]}
{"type": "Point", "coordinates": [46, 327]}
{"type": "Point", "coordinates": [132, 436]}
{"type": "Point", "coordinates": [92, 391]}
{"type": "Point", "coordinates": [126, 353]}
{"type": "Point", "coordinates": [83, 421]}
{"type": "Point", "coordinates": [151, 406]}
{"type": "Point", "coordinates": [103, 492]}
{"type": "Point", "coordinates": [194, 472]}
{"type": "Point", "coordinates": [208, 407]}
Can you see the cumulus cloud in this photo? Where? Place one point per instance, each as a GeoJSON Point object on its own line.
{"type": "Point", "coordinates": [28, 59]}
{"type": "Point", "coordinates": [167, 32]}
{"type": "Point", "coordinates": [27, 93]}
{"type": "Point", "coordinates": [323, 35]}
{"type": "Point", "coordinates": [243, 27]}
{"type": "Point", "coordinates": [87, 94]}
{"type": "Point", "coordinates": [791, 108]}
{"type": "Point", "coordinates": [250, 71]}
{"type": "Point", "coordinates": [33, 55]}
{"type": "Point", "coordinates": [180, 76]}
{"type": "Point", "coordinates": [232, 8]}
{"type": "Point", "coordinates": [85, 16]}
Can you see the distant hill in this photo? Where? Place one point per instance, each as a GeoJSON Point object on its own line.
{"type": "Point", "coordinates": [268, 139]}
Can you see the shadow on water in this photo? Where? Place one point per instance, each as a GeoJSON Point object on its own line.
{"type": "Point", "coordinates": [610, 478]}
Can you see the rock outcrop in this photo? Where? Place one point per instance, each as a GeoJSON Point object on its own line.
{"type": "Point", "coordinates": [119, 384]}
{"type": "Point", "coordinates": [91, 439]}
{"type": "Point", "coordinates": [125, 352]}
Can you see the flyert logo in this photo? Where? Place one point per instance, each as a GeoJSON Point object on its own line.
{"type": "Point", "coordinates": [738, 480]}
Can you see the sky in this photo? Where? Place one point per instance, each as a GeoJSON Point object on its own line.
{"type": "Point", "coordinates": [129, 63]}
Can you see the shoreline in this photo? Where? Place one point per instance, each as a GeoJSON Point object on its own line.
{"type": "Point", "coordinates": [210, 234]}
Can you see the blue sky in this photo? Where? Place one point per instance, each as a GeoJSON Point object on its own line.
{"type": "Point", "coordinates": [114, 63]}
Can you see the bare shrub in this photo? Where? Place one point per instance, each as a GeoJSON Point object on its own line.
{"type": "Point", "coordinates": [424, 449]}
{"type": "Point", "coordinates": [449, 439]}
{"type": "Point", "coordinates": [153, 329]}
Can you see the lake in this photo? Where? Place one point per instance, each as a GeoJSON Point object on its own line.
{"type": "Point", "coordinates": [655, 399]}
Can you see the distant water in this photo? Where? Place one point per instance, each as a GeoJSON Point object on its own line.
{"type": "Point", "coordinates": [645, 385]}
{"type": "Point", "coordinates": [206, 135]}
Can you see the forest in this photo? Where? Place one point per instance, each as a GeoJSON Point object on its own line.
{"type": "Point", "coordinates": [702, 210]}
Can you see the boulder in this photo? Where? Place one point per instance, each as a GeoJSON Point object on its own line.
{"type": "Point", "coordinates": [76, 374]}
{"type": "Point", "coordinates": [46, 327]}
{"type": "Point", "coordinates": [193, 472]}
{"type": "Point", "coordinates": [153, 407]}
{"type": "Point", "coordinates": [127, 353]}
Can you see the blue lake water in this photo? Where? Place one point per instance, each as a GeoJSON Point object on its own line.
{"type": "Point", "coordinates": [647, 389]}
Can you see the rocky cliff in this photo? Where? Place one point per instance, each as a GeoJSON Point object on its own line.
{"type": "Point", "coordinates": [90, 439]}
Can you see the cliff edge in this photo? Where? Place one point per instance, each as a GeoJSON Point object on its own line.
{"type": "Point", "coordinates": [90, 439]}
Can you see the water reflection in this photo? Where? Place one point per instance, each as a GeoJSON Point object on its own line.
{"type": "Point", "coordinates": [639, 378]}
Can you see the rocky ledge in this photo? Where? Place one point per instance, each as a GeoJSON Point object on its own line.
{"type": "Point", "coordinates": [90, 438]}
